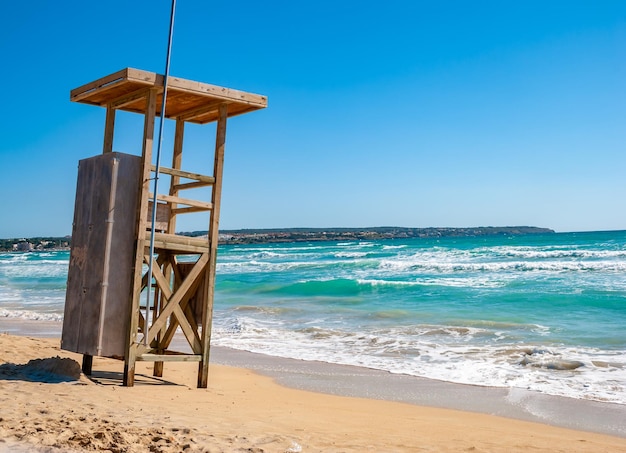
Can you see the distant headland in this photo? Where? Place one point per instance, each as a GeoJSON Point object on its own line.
{"type": "Point", "coordinates": [271, 235]}
{"type": "Point", "coordinates": [256, 236]}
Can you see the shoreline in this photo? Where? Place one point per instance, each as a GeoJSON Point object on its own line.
{"type": "Point", "coordinates": [359, 382]}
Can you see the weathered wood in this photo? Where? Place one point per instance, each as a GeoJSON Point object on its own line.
{"type": "Point", "coordinates": [129, 98]}
{"type": "Point", "coordinates": [109, 125]}
{"type": "Point", "coordinates": [192, 114]}
{"type": "Point", "coordinates": [182, 249]}
{"type": "Point", "coordinates": [142, 213]}
{"type": "Point", "coordinates": [192, 336]}
{"type": "Point", "coordinates": [83, 91]}
{"type": "Point", "coordinates": [100, 270]}
{"type": "Point", "coordinates": [87, 364]}
{"type": "Point", "coordinates": [177, 161]}
{"type": "Point", "coordinates": [183, 293]}
{"type": "Point", "coordinates": [207, 318]}
{"type": "Point", "coordinates": [185, 201]}
{"type": "Point", "coordinates": [164, 287]}
{"type": "Point", "coordinates": [148, 357]}
{"type": "Point", "coordinates": [187, 99]}
{"type": "Point", "coordinates": [170, 268]}
{"type": "Point", "coordinates": [192, 307]}
{"type": "Point", "coordinates": [184, 174]}
{"type": "Point", "coordinates": [188, 210]}
{"type": "Point", "coordinates": [174, 240]}
{"type": "Point", "coordinates": [163, 214]}
{"type": "Point", "coordinates": [191, 185]}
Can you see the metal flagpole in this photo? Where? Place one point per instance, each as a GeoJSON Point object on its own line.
{"type": "Point", "coordinates": [156, 172]}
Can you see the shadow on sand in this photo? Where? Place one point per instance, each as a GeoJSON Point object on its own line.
{"type": "Point", "coordinates": [55, 370]}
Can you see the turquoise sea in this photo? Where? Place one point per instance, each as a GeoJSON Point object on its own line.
{"type": "Point", "coordinates": [540, 312]}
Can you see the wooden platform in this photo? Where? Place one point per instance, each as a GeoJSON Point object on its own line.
{"type": "Point", "coordinates": [190, 101]}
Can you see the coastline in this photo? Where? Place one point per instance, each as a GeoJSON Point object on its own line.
{"type": "Point", "coordinates": [293, 398]}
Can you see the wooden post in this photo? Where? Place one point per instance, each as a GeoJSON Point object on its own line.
{"type": "Point", "coordinates": [216, 195]}
{"type": "Point", "coordinates": [142, 214]}
{"type": "Point", "coordinates": [171, 227]}
{"type": "Point", "coordinates": [87, 364]}
{"type": "Point", "coordinates": [109, 125]}
{"type": "Point", "coordinates": [177, 161]}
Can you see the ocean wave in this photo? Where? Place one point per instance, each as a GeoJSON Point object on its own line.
{"type": "Point", "coordinates": [394, 247]}
{"type": "Point", "coordinates": [264, 310]}
{"type": "Point", "coordinates": [536, 253]}
{"type": "Point", "coordinates": [461, 282]}
{"type": "Point", "coordinates": [350, 254]}
{"type": "Point", "coordinates": [54, 269]}
{"type": "Point", "coordinates": [445, 353]}
{"type": "Point", "coordinates": [30, 315]}
{"type": "Point", "coordinates": [273, 248]}
{"type": "Point", "coordinates": [254, 266]}
{"type": "Point", "coordinates": [518, 266]}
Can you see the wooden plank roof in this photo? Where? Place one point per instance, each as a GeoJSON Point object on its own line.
{"type": "Point", "coordinates": [195, 102]}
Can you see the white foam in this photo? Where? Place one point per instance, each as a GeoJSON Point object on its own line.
{"type": "Point", "coordinates": [394, 247]}
{"type": "Point", "coordinates": [350, 254]}
{"type": "Point", "coordinates": [30, 315]}
{"type": "Point", "coordinates": [446, 353]}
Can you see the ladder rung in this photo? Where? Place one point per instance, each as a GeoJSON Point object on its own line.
{"type": "Point", "coordinates": [191, 185]}
{"type": "Point", "coordinates": [185, 174]}
{"type": "Point", "coordinates": [169, 357]}
{"type": "Point", "coordinates": [179, 243]}
{"type": "Point", "coordinates": [186, 201]}
{"type": "Point", "coordinates": [188, 210]}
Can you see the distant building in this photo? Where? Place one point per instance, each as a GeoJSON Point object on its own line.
{"type": "Point", "coordinates": [23, 246]}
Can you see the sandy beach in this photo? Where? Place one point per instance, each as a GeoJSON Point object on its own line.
{"type": "Point", "coordinates": [49, 406]}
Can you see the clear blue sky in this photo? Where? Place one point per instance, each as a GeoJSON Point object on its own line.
{"type": "Point", "coordinates": [407, 113]}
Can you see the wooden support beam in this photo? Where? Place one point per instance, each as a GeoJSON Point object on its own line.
{"type": "Point", "coordinates": [188, 210]}
{"type": "Point", "coordinates": [164, 286]}
{"type": "Point", "coordinates": [207, 316]}
{"type": "Point", "coordinates": [192, 335]}
{"type": "Point", "coordinates": [183, 293]}
{"type": "Point", "coordinates": [173, 241]}
{"type": "Point", "coordinates": [179, 248]}
{"type": "Point", "coordinates": [77, 94]}
{"type": "Point", "coordinates": [171, 329]}
{"type": "Point", "coordinates": [161, 281]}
{"type": "Point", "coordinates": [177, 159]}
{"type": "Point", "coordinates": [148, 357]}
{"type": "Point", "coordinates": [87, 364]}
{"type": "Point", "coordinates": [129, 98]}
{"type": "Point", "coordinates": [191, 185]}
{"type": "Point", "coordinates": [184, 174]}
{"type": "Point", "coordinates": [142, 214]}
{"type": "Point", "coordinates": [189, 115]}
{"type": "Point", "coordinates": [109, 125]}
{"type": "Point", "coordinates": [185, 201]}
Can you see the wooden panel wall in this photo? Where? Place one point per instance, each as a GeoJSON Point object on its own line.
{"type": "Point", "coordinates": [99, 282]}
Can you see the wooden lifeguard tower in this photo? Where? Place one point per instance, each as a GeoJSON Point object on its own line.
{"type": "Point", "coordinates": [112, 229]}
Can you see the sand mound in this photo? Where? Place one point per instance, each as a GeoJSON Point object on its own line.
{"type": "Point", "coordinates": [50, 370]}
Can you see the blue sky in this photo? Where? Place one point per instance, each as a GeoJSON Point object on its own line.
{"type": "Point", "coordinates": [406, 113]}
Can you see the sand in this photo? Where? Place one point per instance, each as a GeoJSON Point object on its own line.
{"type": "Point", "coordinates": [47, 405]}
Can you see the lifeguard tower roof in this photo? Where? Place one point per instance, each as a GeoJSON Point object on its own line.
{"type": "Point", "coordinates": [190, 101]}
